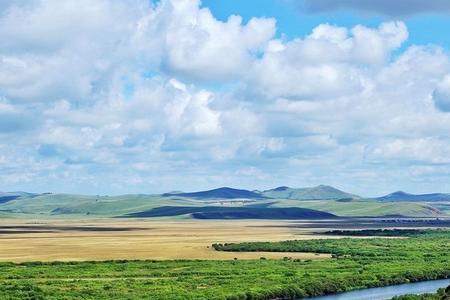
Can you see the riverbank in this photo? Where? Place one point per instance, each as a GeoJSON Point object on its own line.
{"type": "Point", "coordinates": [389, 292]}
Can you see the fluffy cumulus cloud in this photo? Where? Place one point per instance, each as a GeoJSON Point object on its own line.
{"type": "Point", "coordinates": [198, 45]}
{"type": "Point", "coordinates": [144, 96]}
{"type": "Point", "coordinates": [55, 49]}
{"type": "Point", "coordinates": [385, 7]}
{"type": "Point", "coordinates": [330, 62]}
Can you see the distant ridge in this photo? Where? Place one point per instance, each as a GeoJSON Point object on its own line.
{"type": "Point", "coordinates": [220, 193]}
{"type": "Point", "coordinates": [320, 192]}
{"type": "Point", "coordinates": [280, 189]}
{"type": "Point", "coordinates": [9, 196]}
{"type": "Point", "coordinates": [279, 203]}
{"type": "Point", "coordinates": [403, 196]}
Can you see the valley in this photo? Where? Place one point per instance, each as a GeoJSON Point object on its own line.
{"type": "Point", "coordinates": [224, 150]}
{"type": "Point", "coordinates": [218, 244]}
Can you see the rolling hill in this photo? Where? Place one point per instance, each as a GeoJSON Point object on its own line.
{"type": "Point", "coordinates": [246, 212]}
{"type": "Point", "coordinates": [321, 192]}
{"type": "Point", "coordinates": [366, 208]}
{"type": "Point", "coordinates": [402, 196]}
{"type": "Point", "coordinates": [6, 197]}
{"type": "Point", "coordinates": [71, 205]}
{"type": "Point", "coordinates": [223, 203]}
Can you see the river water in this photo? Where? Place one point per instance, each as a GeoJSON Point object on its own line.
{"type": "Point", "coordinates": [387, 292]}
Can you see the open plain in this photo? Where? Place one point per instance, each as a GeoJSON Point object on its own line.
{"type": "Point", "coordinates": [77, 240]}
{"type": "Point", "coordinates": [160, 239]}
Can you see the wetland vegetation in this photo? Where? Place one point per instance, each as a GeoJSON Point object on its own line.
{"type": "Point", "coordinates": [356, 263]}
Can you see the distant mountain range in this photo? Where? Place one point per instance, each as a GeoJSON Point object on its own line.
{"type": "Point", "coordinates": [405, 197]}
{"type": "Point", "coordinates": [321, 192]}
{"type": "Point", "coordinates": [228, 203]}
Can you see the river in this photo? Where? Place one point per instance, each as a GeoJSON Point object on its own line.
{"type": "Point", "coordinates": [387, 292]}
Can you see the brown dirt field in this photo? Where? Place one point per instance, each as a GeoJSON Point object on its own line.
{"type": "Point", "coordinates": [72, 240]}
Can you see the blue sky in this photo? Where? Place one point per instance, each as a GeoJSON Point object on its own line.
{"type": "Point", "coordinates": [138, 96]}
{"type": "Point", "coordinates": [295, 22]}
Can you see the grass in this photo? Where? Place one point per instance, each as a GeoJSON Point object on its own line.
{"type": "Point", "coordinates": [444, 207]}
{"type": "Point", "coordinates": [62, 204]}
{"type": "Point", "coordinates": [5, 215]}
{"type": "Point", "coordinates": [358, 263]}
{"type": "Point", "coordinates": [368, 208]}
{"type": "Point", "coordinates": [109, 206]}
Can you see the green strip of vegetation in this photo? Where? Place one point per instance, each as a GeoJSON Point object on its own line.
{"type": "Point", "coordinates": [381, 232]}
{"type": "Point", "coordinates": [357, 263]}
{"type": "Point", "coordinates": [431, 244]}
{"type": "Point", "coordinates": [442, 294]}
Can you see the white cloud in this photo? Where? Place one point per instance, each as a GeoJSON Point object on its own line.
{"type": "Point", "coordinates": [199, 46]}
{"type": "Point", "coordinates": [328, 63]}
{"type": "Point", "coordinates": [62, 49]}
{"type": "Point", "coordinates": [66, 49]}
{"type": "Point", "coordinates": [152, 97]}
{"type": "Point", "coordinates": [374, 45]}
{"type": "Point", "coordinates": [425, 150]}
{"type": "Point", "coordinates": [189, 114]}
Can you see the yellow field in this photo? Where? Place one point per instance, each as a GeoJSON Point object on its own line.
{"type": "Point", "coordinates": [73, 240]}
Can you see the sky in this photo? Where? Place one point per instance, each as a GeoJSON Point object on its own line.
{"type": "Point", "coordinates": [140, 96]}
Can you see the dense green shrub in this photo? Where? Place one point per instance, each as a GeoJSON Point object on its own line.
{"type": "Point", "coordinates": [442, 294]}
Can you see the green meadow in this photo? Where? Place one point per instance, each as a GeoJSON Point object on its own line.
{"type": "Point", "coordinates": [64, 205]}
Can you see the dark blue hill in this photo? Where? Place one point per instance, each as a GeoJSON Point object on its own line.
{"type": "Point", "coordinates": [4, 199]}
{"type": "Point", "coordinates": [220, 193]}
{"type": "Point", "coordinates": [219, 212]}
{"type": "Point", "coordinates": [9, 196]}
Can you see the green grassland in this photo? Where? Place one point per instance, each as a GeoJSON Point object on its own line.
{"type": "Point", "coordinates": [357, 263]}
{"type": "Point", "coordinates": [444, 207]}
{"type": "Point", "coordinates": [5, 215]}
{"type": "Point", "coordinates": [320, 192]}
{"type": "Point", "coordinates": [64, 205]}
{"type": "Point", "coordinates": [368, 208]}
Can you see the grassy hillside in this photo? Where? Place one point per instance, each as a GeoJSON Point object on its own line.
{"type": "Point", "coordinates": [64, 205]}
{"type": "Point", "coordinates": [5, 215]}
{"type": "Point", "coordinates": [367, 208]}
{"type": "Point", "coordinates": [321, 192]}
{"type": "Point", "coordinates": [402, 196]}
{"type": "Point", "coordinates": [444, 207]}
